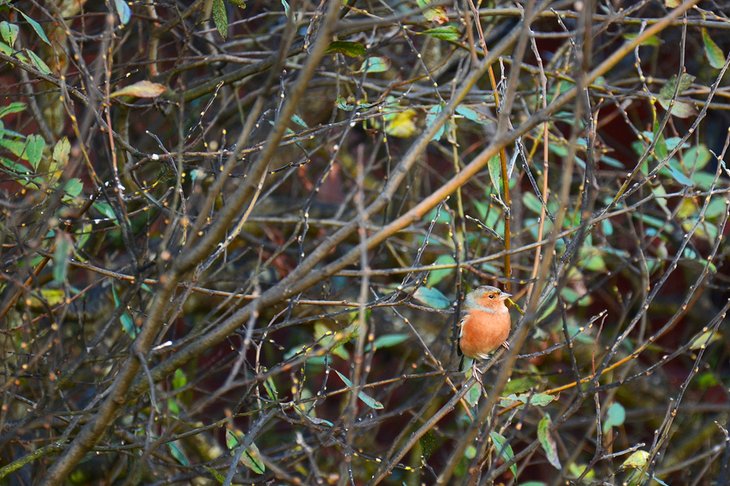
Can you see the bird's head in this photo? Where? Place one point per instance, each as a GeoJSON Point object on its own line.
{"type": "Point", "coordinates": [486, 296]}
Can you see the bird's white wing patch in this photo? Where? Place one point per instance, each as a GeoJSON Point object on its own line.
{"type": "Point", "coordinates": [461, 325]}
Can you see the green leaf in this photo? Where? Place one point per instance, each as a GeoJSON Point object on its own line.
{"type": "Point", "coordinates": [37, 27]}
{"type": "Point", "coordinates": [125, 319]}
{"type": "Point", "coordinates": [179, 380]}
{"type": "Point", "coordinates": [4, 132]}
{"type": "Point", "coordinates": [667, 91]}
{"type": "Point", "coordinates": [343, 105]}
{"type": "Point", "coordinates": [703, 180]}
{"type": "Point", "coordinates": [712, 51]}
{"type": "Point", "coordinates": [679, 176]}
{"type": "Point", "coordinates": [592, 259]}
{"type": "Point", "coordinates": [436, 276]}
{"type": "Point", "coordinates": [303, 350]}
{"type": "Point", "coordinates": [123, 10]}
{"type": "Point", "coordinates": [178, 453]}
{"type": "Point", "coordinates": [388, 341]}
{"type": "Point", "coordinates": [366, 399]}
{"type": "Point", "coordinates": [504, 449]}
{"type": "Point", "coordinates": [216, 475]}
{"type": "Point", "coordinates": [232, 439]}
{"type": "Point", "coordinates": [637, 460]}
{"type": "Point", "coordinates": [680, 109]}
{"type": "Point", "coordinates": [548, 442]}
{"type": "Point", "coordinates": [14, 107]}
{"type": "Point", "coordinates": [532, 202]}
{"type": "Point", "coordinates": [8, 32]}
{"type": "Point", "coordinates": [173, 406]}
{"type": "Point", "coordinates": [251, 458]}
{"type": "Point", "coordinates": [579, 470]}
{"type": "Point", "coordinates": [298, 120]}
{"type": "Point", "coordinates": [6, 49]}
{"type": "Point", "coordinates": [448, 32]}
{"type": "Point", "coordinates": [59, 159]}
{"type": "Point", "coordinates": [707, 380]}
{"type": "Point", "coordinates": [495, 172]}
{"type": "Point", "coordinates": [432, 297]}
{"type": "Point", "coordinates": [661, 483]}
{"type": "Point", "coordinates": [572, 297]}
{"type": "Point", "coordinates": [220, 17]}
{"type": "Point", "coordinates": [660, 195]}
{"type": "Point", "coordinates": [14, 166]}
{"type": "Point", "coordinates": [431, 116]}
{"type": "Point", "coordinates": [549, 308]}
{"type": "Point", "coordinates": [472, 115]}
{"type": "Point", "coordinates": [21, 173]}
{"type": "Point", "coordinates": [704, 339]}
{"type": "Point", "coordinates": [306, 409]}
{"type": "Point", "coordinates": [652, 40]}
{"type": "Point", "coordinates": [60, 257]}
{"type": "Point", "coordinates": [61, 151]}
{"type": "Point", "coordinates": [536, 399]}
{"type": "Point", "coordinates": [673, 142]}
{"type": "Point", "coordinates": [34, 149]}
{"type": "Point", "coordinates": [443, 216]}
{"type": "Point", "coordinates": [541, 399]}
{"type": "Point", "coordinates": [611, 162]}
{"type": "Point", "coordinates": [52, 296]}
{"type": "Point", "coordinates": [715, 208]}
{"type": "Point", "coordinates": [474, 394]}
{"type": "Point", "coordinates": [660, 147]}
{"type": "Point", "coordinates": [38, 62]}
{"type": "Point", "coordinates": [348, 48]}
{"type": "Point", "coordinates": [651, 220]}
{"type": "Point", "coordinates": [83, 234]}
{"type": "Point", "coordinates": [326, 338]}
{"type": "Point", "coordinates": [374, 65]}
{"type": "Point", "coordinates": [128, 325]}
{"type": "Point", "coordinates": [696, 157]}
{"type": "Point", "coordinates": [615, 417]}
{"type": "Point", "coordinates": [270, 387]}
{"type": "Point", "coordinates": [607, 227]}
{"type": "Point", "coordinates": [519, 385]}
{"type": "Point", "coordinates": [495, 221]}
{"type": "Point", "coordinates": [105, 209]}
{"type": "Point", "coordinates": [74, 187]}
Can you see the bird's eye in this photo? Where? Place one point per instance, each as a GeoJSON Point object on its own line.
{"type": "Point", "coordinates": [491, 296]}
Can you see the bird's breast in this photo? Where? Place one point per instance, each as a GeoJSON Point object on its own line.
{"type": "Point", "coordinates": [483, 332]}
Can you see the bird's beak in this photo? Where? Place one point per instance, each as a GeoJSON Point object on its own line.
{"type": "Point", "coordinates": [505, 296]}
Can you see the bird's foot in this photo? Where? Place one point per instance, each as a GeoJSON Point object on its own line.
{"type": "Point", "coordinates": [476, 373]}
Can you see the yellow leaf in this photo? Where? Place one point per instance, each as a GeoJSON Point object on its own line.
{"type": "Point", "coordinates": [434, 14]}
{"type": "Point", "coordinates": [50, 296]}
{"type": "Point", "coordinates": [402, 125]}
{"type": "Point", "coordinates": [704, 339]}
{"type": "Point", "coordinates": [687, 208]}
{"type": "Point", "coordinates": [141, 89]}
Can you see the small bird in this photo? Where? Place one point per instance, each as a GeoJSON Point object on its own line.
{"type": "Point", "coordinates": [485, 325]}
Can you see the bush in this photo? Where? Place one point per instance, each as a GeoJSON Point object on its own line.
{"type": "Point", "coordinates": [236, 236]}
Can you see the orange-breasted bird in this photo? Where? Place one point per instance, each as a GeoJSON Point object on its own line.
{"type": "Point", "coordinates": [486, 323]}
